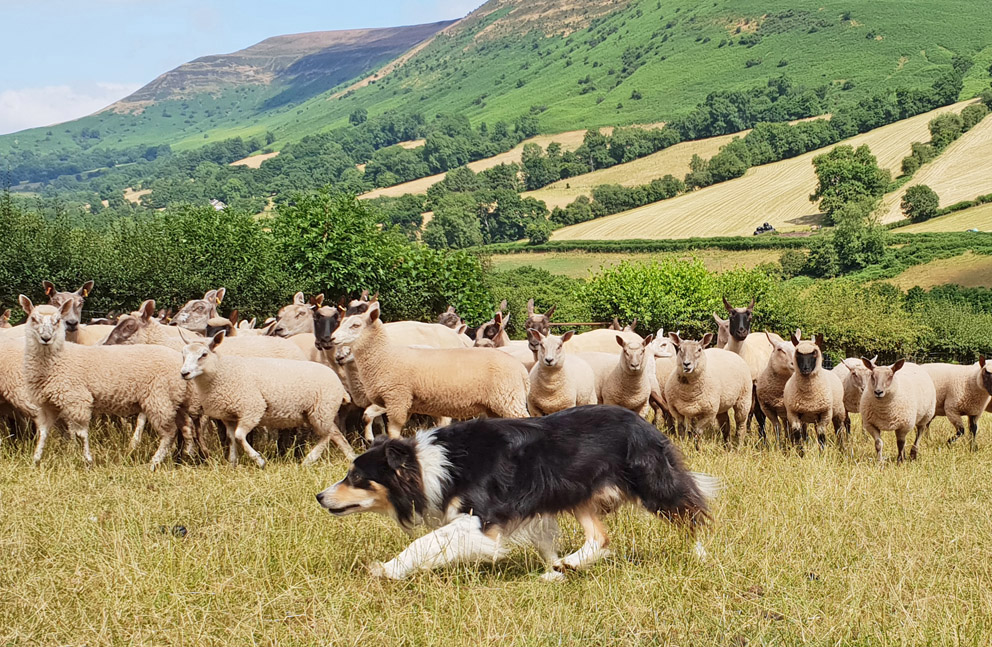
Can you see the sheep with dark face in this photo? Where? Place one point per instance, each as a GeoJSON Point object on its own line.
{"type": "Point", "coordinates": [900, 397]}
{"type": "Point", "coordinates": [813, 395]}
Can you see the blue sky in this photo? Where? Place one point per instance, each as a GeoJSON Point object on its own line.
{"type": "Point", "coordinates": [63, 59]}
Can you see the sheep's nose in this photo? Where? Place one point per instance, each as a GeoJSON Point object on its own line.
{"type": "Point", "coordinates": [879, 394]}
{"type": "Point", "coordinates": [549, 361]}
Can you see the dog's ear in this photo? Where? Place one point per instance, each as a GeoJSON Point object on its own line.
{"type": "Point", "coordinates": [398, 455]}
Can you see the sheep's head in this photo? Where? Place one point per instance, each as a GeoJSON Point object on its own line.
{"type": "Point", "coordinates": [195, 314]}
{"type": "Point", "coordinates": [722, 331]}
{"type": "Point", "coordinates": [809, 354]}
{"type": "Point", "coordinates": [663, 346]}
{"type": "Point", "coordinates": [130, 327]}
{"type": "Point", "coordinates": [343, 355]}
{"type": "Point", "coordinates": [353, 326]}
{"type": "Point", "coordinates": [690, 353]}
{"type": "Point", "coordinates": [549, 347]}
{"type": "Point", "coordinates": [46, 324]}
{"type": "Point", "coordinates": [882, 380]}
{"type": "Point", "coordinates": [493, 331]}
{"type": "Point", "coordinates": [538, 321]}
{"type": "Point", "coordinates": [450, 318]}
{"type": "Point", "coordinates": [740, 320]}
{"type": "Point", "coordinates": [361, 304]}
{"type": "Point", "coordinates": [634, 352]}
{"type": "Point", "coordinates": [200, 357]}
{"type": "Point", "coordinates": [782, 361]}
{"type": "Point", "coordinates": [986, 369]}
{"type": "Point", "coordinates": [325, 321]}
{"type": "Point", "coordinates": [227, 324]}
{"type": "Point", "coordinates": [75, 299]}
{"type": "Point", "coordinates": [297, 317]}
{"type": "Point", "coordinates": [860, 374]}
{"type": "Point", "coordinates": [5, 319]}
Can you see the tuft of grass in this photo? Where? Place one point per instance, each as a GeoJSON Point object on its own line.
{"type": "Point", "coordinates": [827, 549]}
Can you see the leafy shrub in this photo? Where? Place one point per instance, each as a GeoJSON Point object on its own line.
{"type": "Point", "coordinates": [920, 203]}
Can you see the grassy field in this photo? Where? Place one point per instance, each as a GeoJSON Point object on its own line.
{"type": "Point", "coordinates": [961, 172]}
{"type": "Point", "coordinates": [580, 264]}
{"type": "Point", "coordinates": [970, 270]}
{"type": "Point", "coordinates": [777, 193]}
{"type": "Point", "coordinates": [824, 550]}
{"type": "Point", "coordinates": [979, 217]}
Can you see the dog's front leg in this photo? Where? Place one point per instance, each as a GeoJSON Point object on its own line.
{"type": "Point", "coordinates": [461, 540]}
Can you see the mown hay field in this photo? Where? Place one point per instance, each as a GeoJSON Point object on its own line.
{"type": "Point", "coordinates": [828, 549]}
{"type": "Point", "coordinates": [579, 265]}
{"type": "Point", "coordinates": [968, 270]}
{"type": "Point", "coordinates": [962, 171]}
{"type": "Point", "coordinates": [777, 193]}
{"type": "Point", "coordinates": [979, 217]}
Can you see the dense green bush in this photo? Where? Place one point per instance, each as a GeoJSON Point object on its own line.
{"type": "Point", "coordinates": [920, 203]}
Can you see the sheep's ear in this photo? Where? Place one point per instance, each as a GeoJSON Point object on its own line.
{"type": "Point", "coordinates": [233, 317]}
{"type": "Point", "coordinates": [818, 340]}
{"type": "Point", "coordinates": [216, 340]}
{"type": "Point", "coordinates": [530, 307]}
{"type": "Point", "coordinates": [750, 308]}
{"type": "Point", "coordinates": [795, 340]}
{"type": "Point", "coordinates": [660, 334]}
{"type": "Point", "coordinates": [462, 328]}
{"type": "Point", "coordinates": [375, 298]}
{"type": "Point", "coordinates": [726, 304]}
{"type": "Point", "coordinates": [147, 309]}
{"type": "Point", "coordinates": [49, 288]}
{"type": "Point", "coordinates": [498, 318]}
{"type": "Point", "coordinates": [210, 295]}
{"type": "Point", "coordinates": [342, 310]}
{"type": "Point", "coordinates": [633, 324]}
{"type": "Point", "coordinates": [6, 315]}
{"type": "Point", "coordinates": [319, 299]}
{"type": "Point", "coordinates": [621, 341]}
{"type": "Point", "coordinates": [898, 365]}
{"type": "Point", "coordinates": [25, 304]}
{"type": "Point", "coordinates": [220, 295]}
{"type": "Point", "coordinates": [66, 308]}
{"type": "Point", "coordinates": [373, 312]}
{"type": "Point", "coordinates": [869, 363]}
{"type": "Point", "coordinates": [981, 358]}
{"type": "Point", "coordinates": [86, 289]}
{"type": "Point", "coordinates": [616, 324]}
{"type": "Point", "coordinates": [298, 299]}
{"type": "Point", "coordinates": [874, 360]}
{"type": "Point", "coordinates": [799, 333]}
{"type": "Point", "coordinates": [707, 340]}
{"type": "Point", "coordinates": [770, 340]}
{"type": "Point", "coordinates": [364, 296]}
{"type": "Point", "coordinates": [450, 310]}
{"type": "Point", "coordinates": [567, 336]}
{"type": "Point", "coordinates": [534, 335]}
{"type": "Point", "coordinates": [675, 339]}
{"type": "Point", "coordinates": [502, 305]}
{"type": "Point", "coordinates": [648, 340]}
{"type": "Point", "coordinates": [550, 311]}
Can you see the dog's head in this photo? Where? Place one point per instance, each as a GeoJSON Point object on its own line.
{"type": "Point", "coordinates": [385, 479]}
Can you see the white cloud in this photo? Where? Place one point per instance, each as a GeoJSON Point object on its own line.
{"type": "Point", "coordinates": [53, 104]}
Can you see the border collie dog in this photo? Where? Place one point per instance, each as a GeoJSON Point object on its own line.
{"type": "Point", "coordinates": [489, 485]}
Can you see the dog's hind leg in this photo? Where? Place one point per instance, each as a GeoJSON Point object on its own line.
{"type": "Point", "coordinates": [542, 533]}
{"type": "Point", "coordinates": [595, 547]}
{"type": "Point", "coordinates": [462, 540]}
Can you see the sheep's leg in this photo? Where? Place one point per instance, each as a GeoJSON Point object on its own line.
{"type": "Point", "coordinates": [973, 426]}
{"type": "Point", "coordinates": [959, 428]}
{"type": "Point", "coordinates": [723, 421]}
{"type": "Point", "coordinates": [921, 431]}
{"type": "Point", "coordinates": [371, 412]}
{"type": "Point", "coordinates": [462, 540]}
{"type": "Point", "coordinates": [595, 546]}
{"type": "Point", "coordinates": [81, 429]}
{"type": "Point", "coordinates": [327, 434]}
{"type": "Point", "coordinates": [139, 428]}
{"type": "Point", "coordinates": [232, 445]}
{"type": "Point", "coordinates": [821, 430]}
{"type": "Point", "coordinates": [901, 443]}
{"type": "Point", "coordinates": [759, 415]}
{"type": "Point", "coordinates": [185, 424]}
{"type": "Point", "coordinates": [167, 433]}
{"type": "Point", "coordinates": [398, 412]}
{"type": "Point", "coordinates": [200, 423]}
{"type": "Point", "coordinates": [840, 429]}
{"type": "Point", "coordinates": [44, 421]}
{"type": "Point", "coordinates": [740, 420]}
{"type": "Point", "coordinates": [241, 436]}
{"type": "Point", "coordinates": [874, 432]}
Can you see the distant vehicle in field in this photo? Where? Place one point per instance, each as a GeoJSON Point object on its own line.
{"type": "Point", "coordinates": [764, 229]}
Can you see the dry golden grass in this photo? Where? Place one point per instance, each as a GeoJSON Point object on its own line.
{"type": "Point", "coordinates": [961, 172]}
{"type": "Point", "coordinates": [777, 193]}
{"type": "Point", "coordinates": [827, 550]}
{"type": "Point", "coordinates": [255, 161]}
{"type": "Point", "coordinates": [135, 196]}
{"type": "Point", "coordinates": [674, 160]}
{"type": "Point", "coordinates": [578, 264]}
{"type": "Point", "coordinates": [968, 269]}
{"type": "Point", "coordinates": [413, 143]}
{"type": "Point", "coordinates": [979, 217]}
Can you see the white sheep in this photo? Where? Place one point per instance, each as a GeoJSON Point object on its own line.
{"type": "Point", "coordinates": [5, 320]}
{"type": "Point", "coordinates": [601, 340]}
{"type": "Point", "coordinates": [558, 381]}
{"type": "Point", "coordinates": [15, 399]}
{"type": "Point", "coordinates": [813, 395]}
{"type": "Point", "coordinates": [245, 392]}
{"type": "Point", "coordinates": [453, 382]}
{"type": "Point", "coordinates": [771, 386]}
{"type": "Point", "coordinates": [194, 315]}
{"type": "Point", "coordinates": [962, 393]}
{"type": "Point", "coordinates": [854, 376]}
{"type": "Point", "coordinates": [707, 384]}
{"type": "Point", "coordinates": [73, 382]}
{"type": "Point", "coordinates": [629, 384]}
{"type": "Point", "coordinates": [900, 397]}
{"type": "Point", "coordinates": [492, 334]}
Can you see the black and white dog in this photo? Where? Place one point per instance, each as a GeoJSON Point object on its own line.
{"type": "Point", "coordinates": [488, 485]}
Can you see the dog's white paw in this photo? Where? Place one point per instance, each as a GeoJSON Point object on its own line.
{"type": "Point", "coordinates": [553, 576]}
{"type": "Point", "coordinates": [380, 570]}
{"type": "Point", "coordinates": [699, 551]}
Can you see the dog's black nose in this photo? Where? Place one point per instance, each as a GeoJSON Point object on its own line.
{"type": "Point", "coordinates": [319, 500]}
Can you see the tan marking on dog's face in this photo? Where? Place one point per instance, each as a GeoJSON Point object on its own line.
{"type": "Point", "coordinates": [343, 498]}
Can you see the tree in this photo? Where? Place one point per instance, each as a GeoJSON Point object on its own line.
{"type": "Point", "coordinates": [538, 170]}
{"type": "Point", "coordinates": [945, 129]}
{"type": "Point", "coordinates": [857, 237]}
{"type": "Point", "coordinates": [847, 174]}
{"type": "Point", "coordinates": [358, 117]}
{"type": "Point", "coordinates": [455, 224]}
{"type": "Point", "coordinates": [920, 203]}
{"type": "Point", "coordinates": [538, 232]}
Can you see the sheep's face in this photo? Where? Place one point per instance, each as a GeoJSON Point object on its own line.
{"type": "Point", "coordinates": [199, 358]}
{"type": "Point", "coordinates": [195, 314]}
{"type": "Point", "coordinates": [860, 374]}
{"type": "Point", "coordinates": [217, 324]}
{"type": "Point", "coordinates": [986, 372]}
{"type": "Point", "coordinates": [549, 347]}
{"type": "Point", "coordinates": [352, 327]}
{"type": "Point", "coordinates": [663, 346]}
{"type": "Point", "coordinates": [484, 343]}
{"type": "Point", "coordinates": [46, 324]}
{"type": "Point", "coordinates": [450, 318]}
{"type": "Point", "coordinates": [538, 321]}
{"type": "Point", "coordinates": [689, 353]}
{"type": "Point", "coordinates": [297, 317]}
{"type": "Point", "coordinates": [740, 320]}
{"type": "Point", "coordinates": [361, 305]}
{"type": "Point", "coordinates": [808, 357]}
{"type": "Point", "coordinates": [126, 331]}
{"type": "Point", "coordinates": [325, 321]}
{"type": "Point", "coordinates": [882, 381]}
{"type": "Point", "coordinates": [635, 353]}
{"type": "Point", "coordinates": [722, 332]}
{"type": "Point", "coordinates": [782, 359]}
{"type": "Point", "coordinates": [343, 355]}
{"type": "Point", "coordinates": [75, 299]}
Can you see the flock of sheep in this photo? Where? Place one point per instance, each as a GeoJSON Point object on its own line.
{"type": "Point", "coordinates": [321, 366]}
